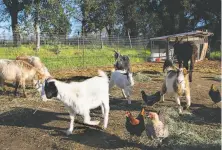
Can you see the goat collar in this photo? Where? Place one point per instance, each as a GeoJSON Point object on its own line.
{"type": "Point", "coordinates": [49, 79]}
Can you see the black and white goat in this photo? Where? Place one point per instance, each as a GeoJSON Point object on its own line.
{"type": "Point", "coordinates": [123, 80]}
{"type": "Point", "coordinates": [122, 62]}
{"type": "Point", "coordinates": [80, 97]}
{"type": "Point", "coordinates": [176, 82]}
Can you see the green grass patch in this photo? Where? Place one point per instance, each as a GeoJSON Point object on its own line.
{"type": "Point", "coordinates": [216, 55]}
{"type": "Point", "coordinates": [67, 57]}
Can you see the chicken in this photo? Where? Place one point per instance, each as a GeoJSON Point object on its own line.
{"type": "Point", "coordinates": [155, 127]}
{"type": "Point", "coordinates": [135, 126]}
{"type": "Point", "coordinates": [152, 99]}
{"type": "Point", "coordinates": [214, 94]}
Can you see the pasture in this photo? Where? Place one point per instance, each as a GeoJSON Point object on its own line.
{"type": "Point", "coordinates": [198, 128]}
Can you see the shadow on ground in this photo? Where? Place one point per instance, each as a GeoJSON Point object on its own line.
{"type": "Point", "coordinates": [89, 135]}
{"type": "Point", "coordinates": [212, 79]}
{"type": "Point", "coordinates": [109, 141]}
{"type": "Point", "coordinates": [24, 117]}
{"type": "Point", "coordinates": [122, 104]}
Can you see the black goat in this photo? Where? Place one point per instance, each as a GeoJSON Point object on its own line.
{"type": "Point", "coordinates": [122, 62]}
{"type": "Point", "coordinates": [185, 51]}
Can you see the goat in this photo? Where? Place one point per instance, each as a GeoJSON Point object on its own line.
{"type": "Point", "coordinates": [123, 80]}
{"type": "Point", "coordinates": [122, 62]}
{"type": "Point", "coordinates": [18, 71]}
{"type": "Point", "coordinates": [185, 51]}
{"type": "Point", "coordinates": [80, 97]}
{"type": "Point", "coordinates": [36, 62]}
{"type": "Point", "coordinates": [177, 83]}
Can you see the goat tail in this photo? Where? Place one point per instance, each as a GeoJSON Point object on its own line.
{"type": "Point", "coordinates": [102, 74]}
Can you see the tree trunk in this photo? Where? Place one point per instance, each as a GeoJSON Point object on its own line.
{"type": "Point", "coordinates": [37, 34]}
{"type": "Point", "coordinates": [109, 31]}
{"type": "Point", "coordinates": [83, 28]}
{"type": "Point", "coordinates": [15, 28]}
{"type": "Point", "coordinates": [36, 25]}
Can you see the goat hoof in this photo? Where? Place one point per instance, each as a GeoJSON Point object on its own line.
{"type": "Point", "coordinates": [96, 122]}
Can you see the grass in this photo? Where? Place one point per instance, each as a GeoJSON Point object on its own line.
{"type": "Point", "coordinates": [216, 55]}
{"type": "Point", "coordinates": [68, 57]}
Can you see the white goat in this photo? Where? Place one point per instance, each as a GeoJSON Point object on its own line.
{"type": "Point", "coordinates": [123, 80]}
{"type": "Point", "coordinates": [177, 83]}
{"type": "Point", "coordinates": [18, 71]}
{"type": "Point", "coordinates": [80, 97]}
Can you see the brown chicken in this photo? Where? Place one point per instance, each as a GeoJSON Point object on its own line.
{"type": "Point", "coordinates": [135, 126]}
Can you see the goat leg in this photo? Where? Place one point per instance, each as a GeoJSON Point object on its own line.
{"type": "Point", "coordinates": [16, 87]}
{"type": "Point", "coordinates": [106, 114]}
{"type": "Point", "coordinates": [2, 85]}
{"type": "Point", "coordinates": [163, 90]}
{"type": "Point", "coordinates": [102, 109]}
{"type": "Point", "coordinates": [123, 92]}
{"type": "Point", "coordinates": [87, 119]}
{"type": "Point", "coordinates": [23, 88]}
{"type": "Point", "coordinates": [71, 125]}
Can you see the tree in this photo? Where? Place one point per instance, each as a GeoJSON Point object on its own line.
{"type": "Point", "coordinates": [49, 17]}
{"type": "Point", "coordinates": [208, 13]}
{"type": "Point", "coordinates": [13, 7]}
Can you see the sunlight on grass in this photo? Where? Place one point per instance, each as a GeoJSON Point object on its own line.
{"type": "Point", "coordinates": [65, 56]}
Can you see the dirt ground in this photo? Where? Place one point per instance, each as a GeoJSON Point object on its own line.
{"type": "Point", "coordinates": [23, 130]}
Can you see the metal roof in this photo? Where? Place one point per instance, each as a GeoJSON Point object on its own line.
{"type": "Point", "coordinates": [187, 34]}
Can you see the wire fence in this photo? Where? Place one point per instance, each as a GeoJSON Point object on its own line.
{"type": "Point", "coordinates": [93, 40]}
{"type": "Point", "coordinates": [60, 51]}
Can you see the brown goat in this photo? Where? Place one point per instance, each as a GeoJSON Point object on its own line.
{"type": "Point", "coordinates": [19, 71]}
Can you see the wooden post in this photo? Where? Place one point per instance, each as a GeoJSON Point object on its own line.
{"type": "Point", "coordinates": [167, 49]}
{"type": "Point", "coordinates": [78, 40]}
{"type": "Point", "coordinates": [118, 42]}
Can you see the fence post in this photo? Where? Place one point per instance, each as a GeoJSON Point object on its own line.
{"type": "Point", "coordinates": [78, 40]}
{"type": "Point", "coordinates": [83, 52]}
{"type": "Point", "coordinates": [118, 42]}
{"type": "Point", "coordinates": [129, 39]}
{"type": "Point", "coordinates": [101, 39]}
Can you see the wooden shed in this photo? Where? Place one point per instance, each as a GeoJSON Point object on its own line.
{"type": "Point", "coordinates": [162, 47]}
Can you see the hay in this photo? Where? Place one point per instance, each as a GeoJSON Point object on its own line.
{"type": "Point", "coordinates": [185, 132]}
{"type": "Point", "coordinates": [218, 78]}
{"type": "Point", "coordinates": [140, 77]}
